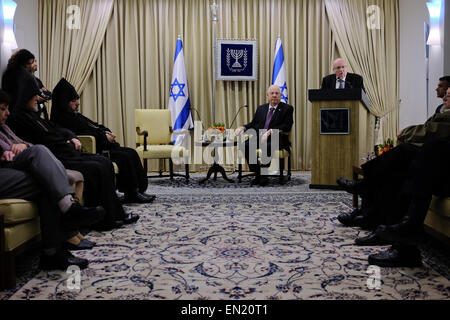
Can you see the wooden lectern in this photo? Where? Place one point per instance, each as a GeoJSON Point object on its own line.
{"type": "Point", "coordinates": [341, 134]}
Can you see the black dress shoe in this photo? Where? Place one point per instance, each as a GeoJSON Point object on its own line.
{"type": "Point", "coordinates": [139, 198]}
{"type": "Point", "coordinates": [83, 245]}
{"type": "Point", "coordinates": [371, 240]}
{"type": "Point", "coordinates": [149, 198]}
{"type": "Point", "coordinates": [353, 187]}
{"type": "Point", "coordinates": [77, 216]}
{"type": "Point", "coordinates": [397, 257]}
{"type": "Point", "coordinates": [264, 181]}
{"type": "Point", "coordinates": [61, 261]}
{"type": "Point", "coordinates": [364, 222]}
{"type": "Point", "coordinates": [347, 218]}
{"type": "Point", "coordinates": [130, 218]}
{"type": "Point", "coordinates": [404, 232]}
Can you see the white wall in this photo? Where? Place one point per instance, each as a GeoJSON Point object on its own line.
{"type": "Point", "coordinates": [26, 29]}
{"type": "Point", "coordinates": [3, 57]}
{"type": "Point", "coordinates": [27, 25]}
{"type": "Point", "coordinates": [436, 68]}
{"type": "Point", "coordinates": [447, 38]}
{"type": "Point", "coordinates": [413, 70]}
{"type": "Point", "coordinates": [418, 103]}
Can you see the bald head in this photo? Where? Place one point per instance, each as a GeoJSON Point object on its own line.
{"type": "Point", "coordinates": [340, 68]}
{"type": "Point", "coordinates": [274, 87]}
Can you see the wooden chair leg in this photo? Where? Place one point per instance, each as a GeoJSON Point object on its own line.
{"type": "Point", "coordinates": [240, 172]}
{"type": "Point", "coordinates": [187, 172]}
{"type": "Point", "coordinates": [171, 169]}
{"type": "Point", "coordinates": [289, 167]}
{"type": "Point", "coordinates": [2, 253]}
{"type": "Point", "coordinates": [9, 271]}
{"type": "Point", "coordinates": [145, 166]}
{"type": "Point", "coordinates": [281, 170]}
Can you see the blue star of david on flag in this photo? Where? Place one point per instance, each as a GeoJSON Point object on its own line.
{"type": "Point", "coordinates": [180, 92]}
{"type": "Point", "coordinates": [283, 88]}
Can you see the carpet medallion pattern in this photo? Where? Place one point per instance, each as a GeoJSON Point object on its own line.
{"type": "Point", "coordinates": [237, 245]}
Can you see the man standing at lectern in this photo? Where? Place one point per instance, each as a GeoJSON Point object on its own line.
{"type": "Point", "coordinates": [275, 115]}
{"type": "Point", "coordinates": [341, 79]}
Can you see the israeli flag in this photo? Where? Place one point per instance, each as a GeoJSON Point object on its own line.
{"type": "Point", "coordinates": [279, 71]}
{"type": "Point", "coordinates": [179, 102]}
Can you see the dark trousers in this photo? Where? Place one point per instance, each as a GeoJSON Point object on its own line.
{"type": "Point", "coordinates": [17, 184]}
{"type": "Point", "coordinates": [430, 174]}
{"type": "Point", "coordinates": [46, 169]}
{"type": "Point", "coordinates": [99, 189]}
{"type": "Point", "coordinates": [131, 177]}
{"type": "Point", "coordinates": [42, 178]}
{"type": "Point", "coordinates": [384, 179]}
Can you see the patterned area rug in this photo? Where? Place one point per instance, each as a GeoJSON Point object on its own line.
{"type": "Point", "coordinates": [217, 241]}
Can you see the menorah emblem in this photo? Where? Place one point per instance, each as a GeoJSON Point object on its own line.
{"type": "Point", "coordinates": [237, 54]}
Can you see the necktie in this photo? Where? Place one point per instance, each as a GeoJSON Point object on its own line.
{"type": "Point", "coordinates": [269, 118]}
{"type": "Point", "coordinates": [341, 84]}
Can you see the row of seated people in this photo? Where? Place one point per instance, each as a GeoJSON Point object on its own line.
{"type": "Point", "coordinates": [37, 155]}
{"type": "Point", "coordinates": [32, 172]}
{"type": "Point", "coordinates": [29, 120]}
{"type": "Point", "coordinates": [398, 186]}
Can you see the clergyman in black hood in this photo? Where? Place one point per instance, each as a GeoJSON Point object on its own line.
{"type": "Point", "coordinates": [98, 171]}
{"type": "Point", "coordinates": [132, 179]}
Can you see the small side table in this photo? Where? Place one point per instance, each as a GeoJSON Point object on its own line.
{"type": "Point", "coordinates": [216, 167]}
{"type": "Point", "coordinates": [357, 172]}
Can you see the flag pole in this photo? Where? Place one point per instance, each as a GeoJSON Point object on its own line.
{"type": "Point", "coordinates": [214, 19]}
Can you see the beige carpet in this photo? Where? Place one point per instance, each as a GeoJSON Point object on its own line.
{"type": "Point", "coordinates": [218, 242]}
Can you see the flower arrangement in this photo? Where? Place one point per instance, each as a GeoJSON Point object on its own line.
{"type": "Point", "coordinates": [385, 147]}
{"type": "Point", "coordinates": [215, 132]}
{"type": "Point", "coordinates": [218, 126]}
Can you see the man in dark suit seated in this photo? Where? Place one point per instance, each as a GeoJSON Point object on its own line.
{"type": "Point", "coordinates": [341, 79]}
{"type": "Point", "coordinates": [443, 85]}
{"type": "Point", "coordinates": [275, 115]}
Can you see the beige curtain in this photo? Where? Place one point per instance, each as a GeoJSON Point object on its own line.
{"type": "Point", "coordinates": [135, 61]}
{"type": "Point", "coordinates": [67, 52]}
{"type": "Point", "coordinates": [371, 52]}
{"type": "Point", "coordinates": [135, 65]}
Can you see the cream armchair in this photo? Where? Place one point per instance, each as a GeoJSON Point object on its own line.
{"type": "Point", "coordinates": [154, 140]}
{"type": "Point", "coordinates": [437, 221]}
{"type": "Point", "coordinates": [19, 231]}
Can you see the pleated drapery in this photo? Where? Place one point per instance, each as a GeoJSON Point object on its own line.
{"type": "Point", "coordinates": [135, 61]}
{"type": "Point", "coordinates": [71, 52]}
